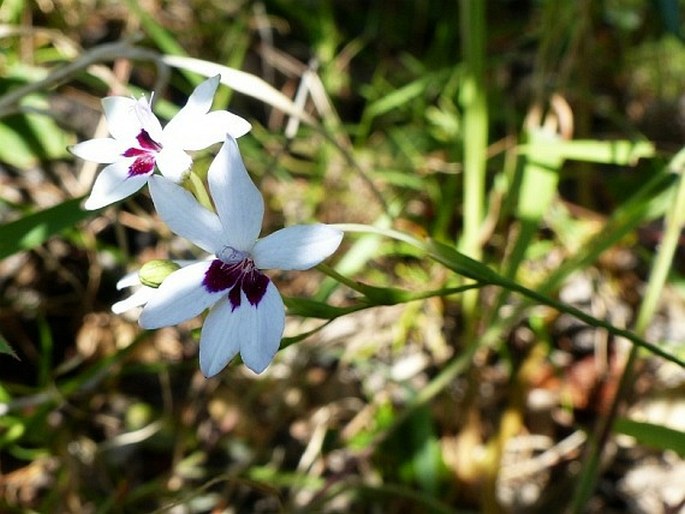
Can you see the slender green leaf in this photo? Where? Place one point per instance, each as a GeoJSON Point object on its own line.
{"type": "Point", "coordinates": [6, 348]}
{"type": "Point", "coordinates": [34, 229]}
{"type": "Point", "coordinates": [606, 152]}
{"type": "Point", "coordinates": [470, 268]}
{"type": "Point", "coordinates": [650, 434]}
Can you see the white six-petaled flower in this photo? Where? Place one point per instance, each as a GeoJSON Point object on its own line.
{"type": "Point", "coordinates": [139, 143]}
{"type": "Point", "coordinates": [247, 314]}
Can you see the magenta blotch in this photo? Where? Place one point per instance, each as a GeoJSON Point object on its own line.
{"type": "Point", "coordinates": [145, 155]}
{"type": "Point", "coordinates": [236, 276]}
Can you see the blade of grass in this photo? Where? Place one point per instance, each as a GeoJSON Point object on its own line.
{"type": "Point", "coordinates": [655, 436]}
{"type": "Point", "coordinates": [164, 40]}
{"type": "Point", "coordinates": [475, 139]}
{"type": "Point", "coordinates": [648, 203]}
{"type": "Point", "coordinates": [470, 268]}
{"type": "Point", "coordinates": [674, 223]}
{"type": "Point", "coordinates": [240, 81]}
{"type": "Point", "coordinates": [102, 53]}
{"type": "Point", "coordinates": [473, 101]}
{"type": "Point", "coordinates": [34, 229]}
{"type": "Point", "coordinates": [6, 348]}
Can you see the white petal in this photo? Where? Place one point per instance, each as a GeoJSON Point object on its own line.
{"type": "Point", "coordinates": [198, 104]}
{"type": "Point", "coordinates": [228, 123]}
{"type": "Point", "coordinates": [180, 297]}
{"type": "Point", "coordinates": [218, 124]}
{"type": "Point", "coordinates": [122, 121]}
{"type": "Point", "coordinates": [262, 330]}
{"type": "Point", "coordinates": [220, 337]}
{"type": "Point", "coordinates": [238, 202]}
{"type": "Point", "coordinates": [114, 184]}
{"type": "Point", "coordinates": [173, 162]}
{"type": "Point", "coordinates": [296, 248]}
{"type": "Point", "coordinates": [255, 331]}
{"type": "Point", "coordinates": [102, 150]}
{"type": "Point", "coordinates": [128, 280]}
{"type": "Point", "coordinates": [187, 262]}
{"type": "Point", "coordinates": [205, 130]}
{"type": "Point", "coordinates": [200, 100]}
{"type": "Point", "coordinates": [148, 120]}
{"type": "Point", "coordinates": [139, 298]}
{"type": "Point", "coordinates": [185, 216]}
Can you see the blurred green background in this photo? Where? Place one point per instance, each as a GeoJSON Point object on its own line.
{"type": "Point", "coordinates": [538, 137]}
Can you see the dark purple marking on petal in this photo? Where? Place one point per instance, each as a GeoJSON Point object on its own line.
{"type": "Point", "coordinates": [254, 285]}
{"type": "Point", "coordinates": [146, 142]}
{"type": "Point", "coordinates": [236, 277]}
{"type": "Point", "coordinates": [143, 165]}
{"type": "Point", "coordinates": [145, 155]}
{"type": "Point", "coordinates": [135, 152]}
{"type": "Point", "coordinates": [221, 276]}
{"type": "Point", "coordinates": [234, 297]}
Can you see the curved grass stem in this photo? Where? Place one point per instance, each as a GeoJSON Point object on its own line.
{"type": "Point", "coordinates": [674, 223]}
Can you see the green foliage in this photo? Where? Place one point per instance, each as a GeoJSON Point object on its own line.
{"type": "Point", "coordinates": [404, 383]}
{"type": "Point", "coordinates": [34, 229]}
{"type": "Point", "coordinates": [654, 436]}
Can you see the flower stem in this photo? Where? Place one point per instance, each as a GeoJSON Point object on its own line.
{"type": "Point", "coordinates": [674, 223]}
{"type": "Point", "coordinates": [475, 129]}
{"type": "Point", "coordinates": [199, 190]}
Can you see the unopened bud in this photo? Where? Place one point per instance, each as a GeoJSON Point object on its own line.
{"type": "Point", "coordinates": [153, 273]}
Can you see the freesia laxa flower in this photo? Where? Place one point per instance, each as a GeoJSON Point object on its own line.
{"type": "Point", "coordinates": [247, 314]}
{"type": "Point", "coordinates": [139, 143]}
{"type": "Point", "coordinates": [141, 294]}
{"type": "Point", "coordinates": [141, 291]}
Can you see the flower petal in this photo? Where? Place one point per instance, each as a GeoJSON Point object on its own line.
{"type": "Point", "coordinates": [263, 331]}
{"type": "Point", "coordinates": [122, 121]}
{"type": "Point", "coordinates": [220, 337]}
{"type": "Point", "coordinates": [238, 202]}
{"type": "Point", "coordinates": [129, 280]}
{"type": "Point", "coordinates": [200, 100]}
{"type": "Point", "coordinates": [114, 183]}
{"type": "Point", "coordinates": [205, 130]}
{"type": "Point", "coordinates": [139, 298]}
{"type": "Point", "coordinates": [148, 121]}
{"type": "Point", "coordinates": [256, 331]}
{"type": "Point", "coordinates": [198, 104]}
{"type": "Point", "coordinates": [101, 150]}
{"type": "Point", "coordinates": [173, 162]}
{"type": "Point", "coordinates": [180, 297]}
{"type": "Point", "coordinates": [185, 216]}
{"type": "Point", "coordinates": [296, 248]}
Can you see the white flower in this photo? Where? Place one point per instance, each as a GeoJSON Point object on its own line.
{"type": "Point", "coordinates": [141, 293]}
{"type": "Point", "coordinates": [247, 314]}
{"type": "Point", "coordinates": [139, 142]}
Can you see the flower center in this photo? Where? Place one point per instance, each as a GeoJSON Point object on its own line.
{"type": "Point", "coordinates": [230, 255]}
{"type": "Point", "coordinates": [145, 154]}
{"type": "Point", "coordinates": [235, 271]}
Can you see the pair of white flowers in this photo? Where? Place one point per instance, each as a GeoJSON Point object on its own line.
{"type": "Point", "coordinates": [247, 314]}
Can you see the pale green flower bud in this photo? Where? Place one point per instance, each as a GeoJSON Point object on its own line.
{"type": "Point", "coordinates": [153, 273]}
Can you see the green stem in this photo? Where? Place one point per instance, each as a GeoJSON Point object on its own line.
{"type": "Point", "coordinates": [198, 188]}
{"type": "Point", "coordinates": [475, 140]}
{"type": "Point", "coordinates": [674, 223]}
{"type": "Point", "coordinates": [470, 268]}
{"type": "Point", "coordinates": [474, 104]}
